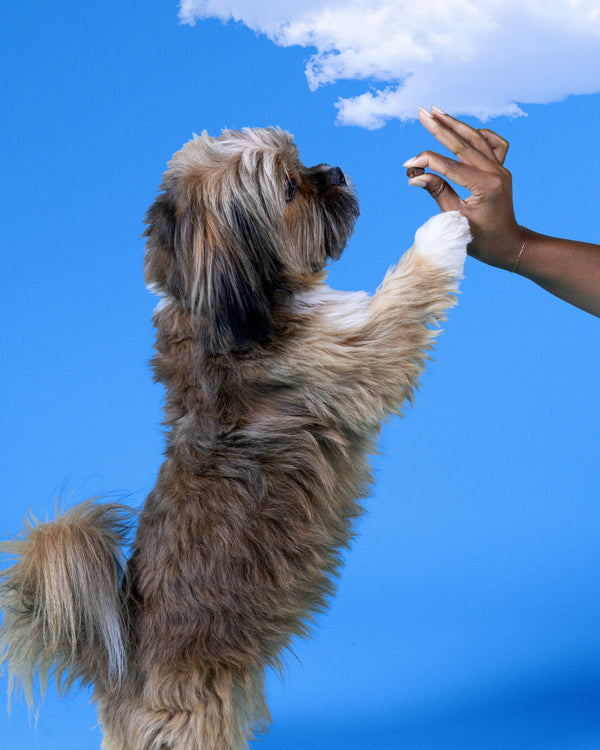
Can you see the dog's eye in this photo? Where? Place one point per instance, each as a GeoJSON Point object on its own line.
{"type": "Point", "coordinates": [291, 190]}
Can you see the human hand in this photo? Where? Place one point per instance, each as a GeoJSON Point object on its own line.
{"type": "Point", "coordinates": [479, 167]}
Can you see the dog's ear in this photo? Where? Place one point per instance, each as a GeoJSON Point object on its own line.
{"type": "Point", "coordinates": [245, 272]}
{"type": "Point", "coordinates": [223, 268]}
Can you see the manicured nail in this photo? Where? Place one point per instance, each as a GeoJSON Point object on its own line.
{"type": "Point", "coordinates": [425, 112]}
{"type": "Point", "coordinates": [437, 110]}
{"type": "Point", "coordinates": [417, 182]}
{"type": "Point", "coordinates": [416, 161]}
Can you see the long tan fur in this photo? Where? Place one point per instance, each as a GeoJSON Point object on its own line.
{"type": "Point", "coordinates": [276, 387]}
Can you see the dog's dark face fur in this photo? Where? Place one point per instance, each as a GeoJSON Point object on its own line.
{"type": "Point", "coordinates": [240, 224]}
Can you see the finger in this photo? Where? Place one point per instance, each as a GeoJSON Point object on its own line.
{"type": "Point", "coordinates": [492, 143]}
{"type": "Point", "coordinates": [443, 194]}
{"type": "Point", "coordinates": [498, 144]}
{"type": "Point", "coordinates": [469, 177]}
{"type": "Point", "coordinates": [461, 139]}
{"type": "Point", "coordinates": [469, 135]}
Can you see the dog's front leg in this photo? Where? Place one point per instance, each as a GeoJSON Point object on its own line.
{"type": "Point", "coordinates": [364, 355]}
{"type": "Point", "coordinates": [411, 302]}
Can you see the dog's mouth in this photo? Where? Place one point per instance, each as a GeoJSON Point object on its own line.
{"type": "Point", "coordinates": [341, 208]}
{"type": "Point", "coordinates": [328, 190]}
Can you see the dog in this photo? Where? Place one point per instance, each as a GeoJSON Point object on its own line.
{"type": "Point", "coordinates": [276, 388]}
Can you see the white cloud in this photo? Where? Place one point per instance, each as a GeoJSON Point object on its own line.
{"type": "Point", "coordinates": [476, 57]}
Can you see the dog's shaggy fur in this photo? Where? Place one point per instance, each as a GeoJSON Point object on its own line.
{"type": "Point", "coordinates": [276, 387]}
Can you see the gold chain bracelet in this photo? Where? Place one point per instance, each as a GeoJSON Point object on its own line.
{"type": "Point", "coordinates": [514, 268]}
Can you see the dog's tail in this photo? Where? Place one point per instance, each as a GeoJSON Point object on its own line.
{"type": "Point", "coordinates": [62, 601]}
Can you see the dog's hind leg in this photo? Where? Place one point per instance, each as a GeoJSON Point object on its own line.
{"type": "Point", "coordinates": [219, 709]}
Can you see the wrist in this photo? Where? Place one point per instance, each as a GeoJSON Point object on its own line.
{"type": "Point", "coordinates": [520, 253]}
{"type": "Point", "coordinates": [502, 250]}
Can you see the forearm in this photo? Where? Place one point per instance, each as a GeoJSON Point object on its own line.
{"type": "Point", "coordinates": [568, 269]}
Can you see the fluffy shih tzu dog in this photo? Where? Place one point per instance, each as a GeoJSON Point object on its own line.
{"type": "Point", "coordinates": [276, 387]}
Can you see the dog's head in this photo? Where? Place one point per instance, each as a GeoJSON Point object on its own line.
{"type": "Point", "coordinates": [239, 223]}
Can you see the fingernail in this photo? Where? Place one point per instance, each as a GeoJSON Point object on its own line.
{"type": "Point", "coordinates": [416, 161]}
{"type": "Point", "coordinates": [417, 182]}
{"type": "Point", "coordinates": [425, 112]}
{"type": "Point", "coordinates": [438, 110]}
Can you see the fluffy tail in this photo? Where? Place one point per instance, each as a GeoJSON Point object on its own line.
{"type": "Point", "coordinates": [62, 601]}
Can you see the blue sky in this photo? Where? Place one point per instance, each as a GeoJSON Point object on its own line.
{"type": "Point", "coordinates": [468, 614]}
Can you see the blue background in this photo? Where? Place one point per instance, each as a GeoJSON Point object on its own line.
{"type": "Point", "coordinates": [468, 612]}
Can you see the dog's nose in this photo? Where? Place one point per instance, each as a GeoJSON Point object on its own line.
{"type": "Point", "coordinates": [336, 176]}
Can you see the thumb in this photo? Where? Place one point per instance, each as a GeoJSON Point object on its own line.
{"type": "Point", "coordinates": [443, 194]}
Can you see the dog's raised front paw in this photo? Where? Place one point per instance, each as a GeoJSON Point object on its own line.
{"type": "Point", "coordinates": [444, 239]}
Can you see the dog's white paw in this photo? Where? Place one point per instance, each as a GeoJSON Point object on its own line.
{"type": "Point", "coordinates": [443, 240]}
